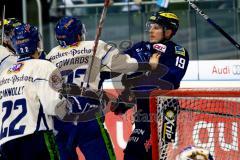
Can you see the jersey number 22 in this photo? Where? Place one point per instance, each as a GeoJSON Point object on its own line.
{"type": "Point", "coordinates": [9, 106]}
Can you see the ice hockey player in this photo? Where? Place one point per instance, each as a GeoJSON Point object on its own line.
{"type": "Point", "coordinates": [173, 62]}
{"type": "Point", "coordinates": [8, 26]}
{"type": "Point", "coordinates": [7, 56]}
{"type": "Point", "coordinates": [73, 58]}
{"type": "Point", "coordinates": [28, 102]}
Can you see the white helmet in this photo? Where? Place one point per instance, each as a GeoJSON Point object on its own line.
{"type": "Point", "coordinates": [194, 153]}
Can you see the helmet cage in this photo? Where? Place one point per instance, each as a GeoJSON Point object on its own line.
{"type": "Point", "coordinates": [150, 24]}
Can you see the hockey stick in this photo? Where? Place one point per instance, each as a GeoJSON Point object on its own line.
{"type": "Point", "coordinates": [98, 34]}
{"type": "Point", "coordinates": [2, 22]}
{"type": "Point", "coordinates": [108, 144]}
{"type": "Point", "coordinates": [217, 27]}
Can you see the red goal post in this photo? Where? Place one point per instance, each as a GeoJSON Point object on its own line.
{"type": "Point", "coordinates": [206, 118]}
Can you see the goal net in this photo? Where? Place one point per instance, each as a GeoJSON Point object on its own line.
{"type": "Point", "coordinates": [209, 119]}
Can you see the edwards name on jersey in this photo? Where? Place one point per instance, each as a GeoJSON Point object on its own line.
{"type": "Point", "coordinates": [74, 61]}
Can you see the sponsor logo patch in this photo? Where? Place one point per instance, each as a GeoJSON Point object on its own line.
{"type": "Point", "coordinates": [180, 50]}
{"type": "Point", "coordinates": [15, 68]}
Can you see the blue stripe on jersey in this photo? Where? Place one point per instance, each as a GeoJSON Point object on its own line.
{"type": "Point", "coordinates": [41, 116]}
{"type": "Point", "coordinates": [106, 54]}
{"type": "Point", "coordinates": [20, 59]}
{"type": "Point", "coordinates": [40, 79]}
{"type": "Point", "coordinates": [4, 59]}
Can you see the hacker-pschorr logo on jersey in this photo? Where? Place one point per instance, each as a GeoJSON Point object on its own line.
{"type": "Point", "coordinates": [73, 52]}
{"type": "Point", "coordinates": [84, 51]}
{"type": "Point", "coordinates": [15, 79]}
{"type": "Point", "coordinates": [15, 68]}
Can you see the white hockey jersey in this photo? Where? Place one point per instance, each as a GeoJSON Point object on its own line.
{"type": "Point", "coordinates": [6, 58]}
{"type": "Point", "coordinates": [74, 61]}
{"type": "Point", "coordinates": [26, 99]}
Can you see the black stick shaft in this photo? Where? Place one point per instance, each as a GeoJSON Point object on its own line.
{"type": "Point", "coordinates": [2, 22]}
{"type": "Point", "coordinates": [217, 27]}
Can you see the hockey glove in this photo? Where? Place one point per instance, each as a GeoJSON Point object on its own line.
{"type": "Point", "coordinates": [120, 108]}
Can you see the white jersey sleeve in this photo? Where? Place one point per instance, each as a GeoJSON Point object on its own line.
{"type": "Point", "coordinates": [6, 58]}
{"type": "Point", "coordinates": [113, 61]}
{"type": "Point", "coordinates": [48, 96]}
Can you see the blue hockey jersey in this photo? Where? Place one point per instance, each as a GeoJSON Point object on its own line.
{"type": "Point", "coordinates": [174, 60]}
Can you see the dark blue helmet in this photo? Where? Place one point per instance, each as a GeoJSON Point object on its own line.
{"type": "Point", "coordinates": [68, 30]}
{"type": "Point", "coordinates": [25, 39]}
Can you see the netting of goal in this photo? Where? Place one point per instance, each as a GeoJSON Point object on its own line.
{"type": "Point", "coordinates": [204, 118]}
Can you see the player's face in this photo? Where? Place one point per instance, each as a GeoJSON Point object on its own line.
{"type": "Point", "coordinates": [156, 33]}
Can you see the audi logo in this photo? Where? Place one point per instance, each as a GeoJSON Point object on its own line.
{"type": "Point", "coordinates": [236, 69]}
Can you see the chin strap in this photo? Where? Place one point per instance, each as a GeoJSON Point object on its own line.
{"type": "Point", "coordinates": [164, 40]}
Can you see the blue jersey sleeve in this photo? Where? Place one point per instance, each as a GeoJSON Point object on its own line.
{"type": "Point", "coordinates": [141, 51]}
{"type": "Point", "coordinates": [176, 60]}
